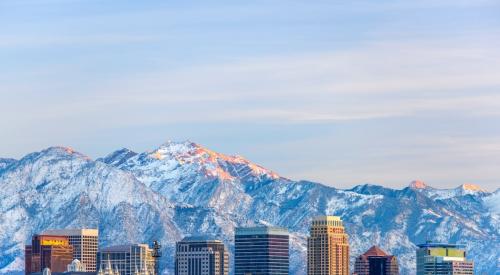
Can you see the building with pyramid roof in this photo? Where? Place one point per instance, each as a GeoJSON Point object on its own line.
{"type": "Point", "coordinates": [375, 261]}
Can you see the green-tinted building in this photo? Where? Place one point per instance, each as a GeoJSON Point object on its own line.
{"type": "Point", "coordinates": [443, 259]}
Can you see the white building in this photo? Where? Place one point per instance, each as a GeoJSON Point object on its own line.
{"type": "Point", "coordinates": [77, 266]}
{"type": "Point", "coordinates": [133, 259]}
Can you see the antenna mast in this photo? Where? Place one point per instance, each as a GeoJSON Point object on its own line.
{"type": "Point", "coordinates": [156, 256]}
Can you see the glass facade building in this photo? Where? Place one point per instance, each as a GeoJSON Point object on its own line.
{"type": "Point", "coordinates": [261, 251]}
{"type": "Point", "coordinates": [127, 259]}
{"type": "Point", "coordinates": [443, 259]}
{"type": "Point", "coordinates": [84, 243]}
{"type": "Point", "coordinates": [53, 252]}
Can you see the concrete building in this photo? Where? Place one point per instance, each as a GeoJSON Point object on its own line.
{"type": "Point", "coordinates": [132, 259]}
{"type": "Point", "coordinates": [201, 256]}
{"type": "Point", "coordinates": [85, 244]}
{"type": "Point", "coordinates": [375, 261]}
{"type": "Point", "coordinates": [443, 259]}
{"type": "Point", "coordinates": [261, 251]}
{"type": "Point", "coordinates": [51, 252]}
{"type": "Point", "coordinates": [327, 247]}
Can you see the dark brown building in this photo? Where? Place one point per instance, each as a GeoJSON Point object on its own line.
{"type": "Point", "coordinates": [376, 262]}
{"type": "Point", "coordinates": [53, 252]}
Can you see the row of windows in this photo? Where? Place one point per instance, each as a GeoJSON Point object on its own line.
{"type": "Point", "coordinates": [283, 265]}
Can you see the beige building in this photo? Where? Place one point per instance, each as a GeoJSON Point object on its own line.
{"type": "Point", "coordinates": [327, 247]}
{"type": "Point", "coordinates": [84, 243]}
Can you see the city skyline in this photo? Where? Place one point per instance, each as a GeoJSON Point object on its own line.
{"type": "Point", "coordinates": [333, 92]}
{"type": "Point", "coordinates": [284, 137]}
{"type": "Point", "coordinates": [259, 249]}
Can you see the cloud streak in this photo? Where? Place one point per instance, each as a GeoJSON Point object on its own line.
{"type": "Point", "coordinates": [335, 92]}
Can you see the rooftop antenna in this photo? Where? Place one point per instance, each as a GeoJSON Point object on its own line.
{"type": "Point", "coordinates": [428, 239]}
{"type": "Point", "coordinates": [156, 256]}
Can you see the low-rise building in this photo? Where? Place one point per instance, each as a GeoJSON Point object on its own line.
{"type": "Point", "coordinates": [375, 261]}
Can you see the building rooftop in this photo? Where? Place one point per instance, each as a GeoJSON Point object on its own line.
{"type": "Point", "coordinates": [326, 218]}
{"type": "Point", "coordinates": [120, 248]}
{"type": "Point", "coordinates": [72, 232]}
{"type": "Point", "coordinates": [443, 245]}
{"type": "Point", "coordinates": [375, 251]}
{"type": "Point", "coordinates": [261, 230]}
{"type": "Point", "coordinates": [202, 238]}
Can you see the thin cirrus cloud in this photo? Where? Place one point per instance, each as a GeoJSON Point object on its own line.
{"type": "Point", "coordinates": [34, 41]}
{"type": "Point", "coordinates": [391, 76]}
{"type": "Point", "coordinates": [341, 93]}
{"type": "Point", "coordinates": [373, 81]}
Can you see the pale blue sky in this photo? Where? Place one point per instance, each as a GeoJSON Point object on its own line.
{"type": "Point", "coordinates": [339, 92]}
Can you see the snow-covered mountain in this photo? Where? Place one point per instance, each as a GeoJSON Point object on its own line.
{"type": "Point", "coordinates": [182, 188]}
{"type": "Point", "coordinates": [4, 162]}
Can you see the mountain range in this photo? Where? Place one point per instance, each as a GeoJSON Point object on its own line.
{"type": "Point", "coordinates": [183, 188]}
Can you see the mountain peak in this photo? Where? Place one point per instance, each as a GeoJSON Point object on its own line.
{"type": "Point", "coordinates": [175, 148]}
{"type": "Point", "coordinates": [63, 150]}
{"type": "Point", "coordinates": [471, 187]}
{"type": "Point", "coordinates": [118, 157]}
{"type": "Point", "coordinates": [189, 152]}
{"type": "Point", "coordinates": [418, 184]}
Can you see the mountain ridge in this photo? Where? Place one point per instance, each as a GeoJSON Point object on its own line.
{"type": "Point", "coordinates": [182, 188]}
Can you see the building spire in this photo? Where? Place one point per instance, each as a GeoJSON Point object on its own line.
{"type": "Point", "coordinates": [108, 266]}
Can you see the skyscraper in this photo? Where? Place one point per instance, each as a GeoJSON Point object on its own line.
{"type": "Point", "coordinates": [84, 242]}
{"type": "Point", "coordinates": [439, 258]}
{"type": "Point", "coordinates": [52, 252]}
{"type": "Point", "coordinates": [376, 262]}
{"type": "Point", "coordinates": [261, 251]}
{"type": "Point", "coordinates": [127, 259]}
{"type": "Point", "coordinates": [327, 247]}
{"type": "Point", "coordinates": [201, 256]}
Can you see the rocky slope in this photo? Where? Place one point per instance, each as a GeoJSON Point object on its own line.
{"type": "Point", "coordinates": [182, 188]}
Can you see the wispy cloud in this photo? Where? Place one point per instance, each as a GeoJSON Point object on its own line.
{"type": "Point", "coordinates": [30, 41]}
{"type": "Point", "coordinates": [374, 81]}
{"type": "Point", "coordinates": [339, 92]}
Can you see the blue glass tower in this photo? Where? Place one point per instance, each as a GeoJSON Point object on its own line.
{"type": "Point", "coordinates": [262, 251]}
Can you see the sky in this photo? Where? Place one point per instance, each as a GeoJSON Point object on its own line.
{"type": "Point", "coordinates": [337, 92]}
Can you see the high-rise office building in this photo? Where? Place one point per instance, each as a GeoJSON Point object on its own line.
{"type": "Point", "coordinates": [127, 259]}
{"type": "Point", "coordinates": [261, 251]}
{"type": "Point", "coordinates": [201, 256]}
{"type": "Point", "coordinates": [439, 258]}
{"type": "Point", "coordinates": [52, 252]}
{"type": "Point", "coordinates": [375, 261]}
{"type": "Point", "coordinates": [85, 243]}
{"type": "Point", "coordinates": [327, 247]}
